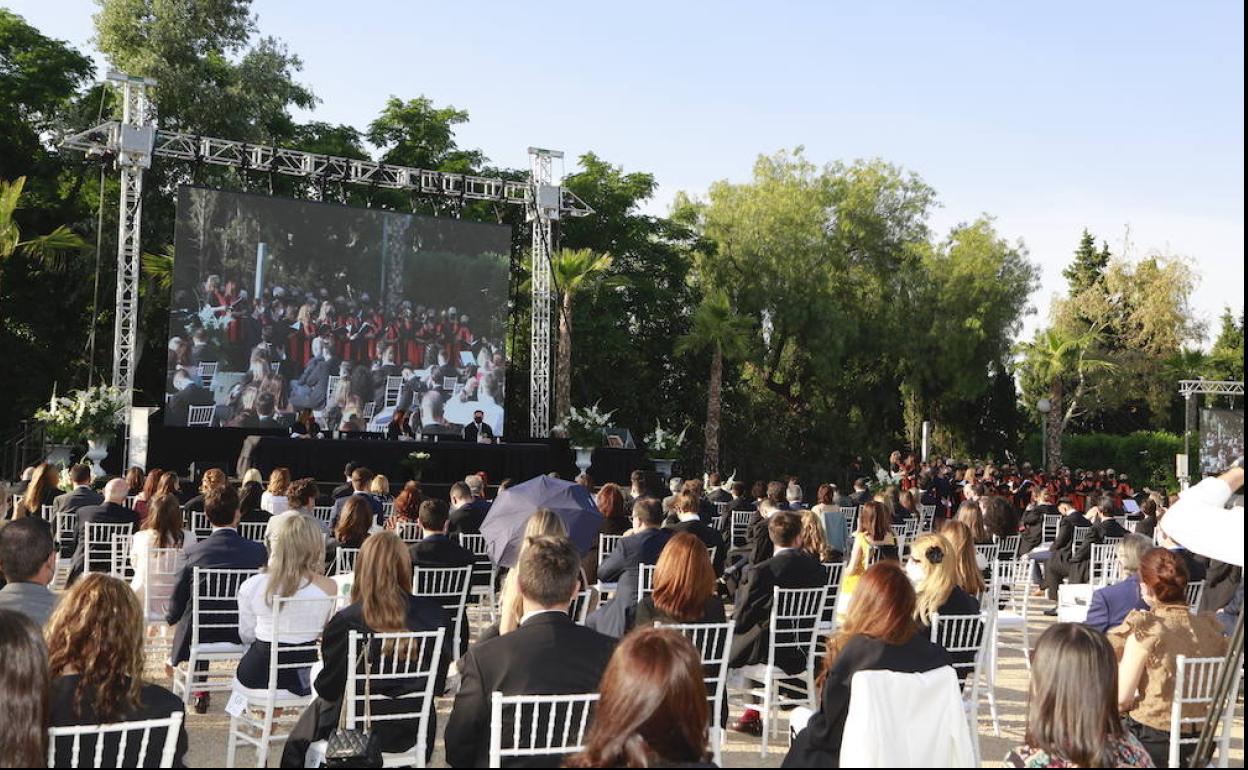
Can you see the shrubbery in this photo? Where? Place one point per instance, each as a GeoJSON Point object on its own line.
{"type": "Point", "coordinates": [1147, 457]}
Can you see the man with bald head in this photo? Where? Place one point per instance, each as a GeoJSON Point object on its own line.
{"type": "Point", "coordinates": [112, 511]}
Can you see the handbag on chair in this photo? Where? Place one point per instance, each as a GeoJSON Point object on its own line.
{"type": "Point", "coordinates": [355, 747]}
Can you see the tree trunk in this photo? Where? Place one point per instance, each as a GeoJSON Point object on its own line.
{"type": "Point", "coordinates": [1054, 432]}
{"type": "Point", "coordinates": [563, 362]}
{"type": "Point", "coordinates": [710, 455]}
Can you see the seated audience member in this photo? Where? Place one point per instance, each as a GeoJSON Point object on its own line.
{"type": "Point", "coordinates": [149, 491]}
{"type": "Point", "coordinates": [789, 567]}
{"type": "Point", "coordinates": [689, 520]}
{"type": "Point", "coordinates": [361, 479]}
{"type": "Point", "coordinates": [250, 476]}
{"type": "Point", "coordinates": [878, 634]}
{"type": "Point", "coordinates": [163, 530]}
{"type": "Point", "coordinates": [344, 489]}
{"type": "Point", "coordinates": [406, 506]}
{"type": "Point", "coordinates": [28, 562]}
{"type": "Point", "coordinates": [874, 535]}
{"type": "Point", "coordinates": [642, 545]}
{"type": "Point", "coordinates": [305, 425]}
{"type": "Point", "coordinates": [1104, 526]}
{"type": "Point", "coordinates": [300, 501]}
{"type": "Point", "coordinates": [134, 479]}
{"type": "Point", "coordinates": [1072, 713]}
{"type": "Point", "coordinates": [1032, 523]}
{"type": "Point", "coordinates": [381, 602]}
{"type": "Point", "coordinates": [652, 710]}
{"type": "Point", "coordinates": [169, 484]}
{"type": "Point", "coordinates": [1000, 517]}
{"type": "Point", "coordinates": [684, 586]}
{"type": "Point", "coordinates": [213, 478]}
{"type": "Point", "coordinates": [971, 514]}
{"type": "Point", "coordinates": [716, 491]}
{"type": "Point", "coordinates": [636, 490]}
{"type": "Point", "coordinates": [1148, 642]}
{"type": "Point", "coordinates": [95, 659]}
{"type": "Point", "coordinates": [274, 498]}
{"type": "Point", "coordinates": [379, 487]}
{"type": "Point", "coordinates": [931, 569]}
{"type": "Point", "coordinates": [24, 707]}
{"type": "Point", "coordinates": [548, 654]}
{"type": "Point", "coordinates": [223, 549]}
{"type": "Point", "coordinates": [1150, 513]}
{"type": "Point", "coordinates": [543, 523]}
{"type": "Point", "coordinates": [1062, 564]}
{"type": "Point", "coordinates": [1109, 605]}
{"type": "Point", "coordinates": [112, 511]}
{"type": "Point", "coordinates": [296, 569]}
{"type": "Point", "coordinates": [814, 539]}
{"type": "Point", "coordinates": [250, 496]}
{"type": "Point", "coordinates": [82, 494]}
{"type": "Point", "coordinates": [834, 524]}
{"type": "Point", "coordinates": [468, 508]}
{"type": "Point", "coordinates": [43, 490]}
{"type": "Point", "coordinates": [793, 497]}
{"type": "Point", "coordinates": [907, 505]}
{"type": "Point", "coordinates": [355, 522]}
{"type": "Point", "coordinates": [435, 547]}
{"type": "Point", "coordinates": [611, 504]}
{"type": "Point", "coordinates": [964, 560]}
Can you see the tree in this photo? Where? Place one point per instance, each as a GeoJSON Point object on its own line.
{"type": "Point", "coordinates": [48, 248]}
{"type": "Point", "coordinates": [1227, 356]}
{"type": "Point", "coordinates": [1088, 268]}
{"type": "Point", "coordinates": [1058, 364]}
{"type": "Point", "coordinates": [717, 328]}
{"type": "Point", "coordinates": [575, 271]}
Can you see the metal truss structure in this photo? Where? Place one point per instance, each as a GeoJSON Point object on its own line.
{"type": "Point", "coordinates": [1190, 388]}
{"type": "Point", "coordinates": [135, 141]}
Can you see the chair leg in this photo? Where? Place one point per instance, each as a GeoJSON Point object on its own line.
{"type": "Point", "coordinates": [266, 734]}
{"type": "Point", "coordinates": [231, 746]}
{"type": "Point", "coordinates": [765, 714]}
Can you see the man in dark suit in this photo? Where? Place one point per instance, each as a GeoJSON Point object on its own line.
{"type": "Point", "coordinates": [1062, 564]}
{"type": "Point", "coordinates": [687, 520]}
{"type": "Point", "coordinates": [81, 495]}
{"type": "Point", "coordinates": [478, 429]}
{"type": "Point", "coordinates": [112, 511]}
{"type": "Point", "coordinates": [223, 549]}
{"type": "Point", "coordinates": [789, 567]}
{"type": "Point", "coordinates": [467, 510]}
{"type": "Point", "coordinates": [189, 391]}
{"type": "Point", "coordinates": [715, 492]}
{"type": "Point", "coordinates": [1109, 605]}
{"type": "Point", "coordinates": [1104, 525]}
{"type": "Point", "coordinates": [547, 655]}
{"type": "Point", "coordinates": [623, 567]}
{"type": "Point", "coordinates": [436, 548]}
{"type": "Point", "coordinates": [861, 495]}
{"type": "Point", "coordinates": [345, 488]}
{"type": "Point", "coordinates": [361, 478]}
{"type": "Point", "coordinates": [266, 412]}
{"type": "Point", "coordinates": [311, 390]}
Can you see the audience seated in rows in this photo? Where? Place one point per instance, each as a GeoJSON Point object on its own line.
{"type": "Point", "coordinates": [874, 533]}
{"type": "Point", "coordinates": [543, 523]}
{"type": "Point", "coordinates": [641, 545]}
{"type": "Point", "coordinates": [468, 506]}
{"type": "Point", "coordinates": [687, 519]}
{"type": "Point", "coordinates": [361, 478]}
{"type": "Point", "coordinates": [684, 586]}
{"type": "Point", "coordinates": [112, 511]}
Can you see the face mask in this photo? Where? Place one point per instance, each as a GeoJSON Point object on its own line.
{"type": "Point", "coordinates": [915, 572]}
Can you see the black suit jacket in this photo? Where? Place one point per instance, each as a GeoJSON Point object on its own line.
{"type": "Point", "coordinates": [1033, 527]}
{"type": "Point", "coordinates": [752, 614]}
{"type": "Point", "coordinates": [178, 410]}
{"type": "Point", "coordinates": [471, 433]}
{"type": "Point", "coordinates": [108, 513]}
{"type": "Point", "coordinates": [1100, 530]}
{"type": "Point", "coordinates": [548, 655]}
{"type": "Point", "coordinates": [223, 549]}
{"type": "Point", "coordinates": [79, 497]}
{"type": "Point", "coordinates": [623, 568]}
{"type": "Point", "coordinates": [709, 536]}
{"type": "Point", "coordinates": [466, 519]}
{"type": "Point", "coordinates": [1062, 546]}
{"type": "Point", "coordinates": [440, 551]}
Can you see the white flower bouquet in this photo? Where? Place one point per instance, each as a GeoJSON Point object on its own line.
{"type": "Point", "coordinates": [586, 427]}
{"type": "Point", "coordinates": [664, 443]}
{"type": "Point", "coordinates": [93, 413]}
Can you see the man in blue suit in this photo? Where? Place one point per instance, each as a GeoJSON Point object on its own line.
{"type": "Point", "coordinates": [623, 567]}
{"type": "Point", "coordinates": [1109, 605]}
{"type": "Point", "coordinates": [361, 478]}
{"type": "Point", "coordinates": [223, 549]}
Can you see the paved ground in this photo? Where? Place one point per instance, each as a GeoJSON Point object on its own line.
{"type": "Point", "coordinates": [208, 732]}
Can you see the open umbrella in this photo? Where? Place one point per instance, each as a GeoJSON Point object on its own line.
{"type": "Point", "coordinates": [503, 527]}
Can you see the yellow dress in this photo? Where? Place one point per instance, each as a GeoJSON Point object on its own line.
{"type": "Point", "coordinates": [853, 571]}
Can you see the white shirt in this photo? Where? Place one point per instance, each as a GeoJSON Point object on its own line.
{"type": "Point", "coordinates": [274, 504]}
{"type": "Point", "coordinates": [1201, 523]}
{"type": "Point", "coordinates": [688, 517]}
{"type": "Point", "coordinates": [302, 621]}
{"type": "Point", "coordinates": [526, 616]}
{"type": "Point", "coordinates": [162, 587]}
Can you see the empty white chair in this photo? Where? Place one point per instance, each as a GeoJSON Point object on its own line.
{"type": "Point", "coordinates": [254, 712]}
{"type": "Point", "coordinates": [1195, 684]}
{"type": "Point", "coordinates": [967, 634]}
{"type": "Point", "coordinates": [448, 586]}
{"type": "Point", "coordinates": [324, 514]}
{"type": "Point", "coordinates": [1195, 592]}
{"type": "Point", "coordinates": [119, 557]}
{"type": "Point", "coordinates": [484, 572]}
{"type": "Point", "coordinates": [538, 725]}
{"type": "Point", "coordinates": [1012, 589]}
{"type": "Point", "coordinates": [207, 373]}
{"type": "Point", "coordinates": [394, 389]}
{"type": "Point", "coordinates": [714, 642]}
{"type": "Point", "coordinates": [988, 551]}
{"type": "Point", "coordinates": [199, 416]}
{"type": "Point", "coordinates": [795, 616]}
{"type": "Point", "coordinates": [214, 613]}
{"type": "Point", "coordinates": [827, 619]}
{"type": "Point", "coordinates": [1009, 547]}
{"type": "Point", "coordinates": [607, 545]}
{"type": "Point", "coordinates": [98, 549]}
{"type": "Point", "coordinates": [121, 744]}
{"type": "Point", "coordinates": [1104, 568]}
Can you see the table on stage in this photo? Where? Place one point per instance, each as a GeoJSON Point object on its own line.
{"type": "Point", "coordinates": [449, 461]}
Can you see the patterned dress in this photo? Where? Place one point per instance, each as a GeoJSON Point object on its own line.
{"type": "Point", "coordinates": [1127, 752]}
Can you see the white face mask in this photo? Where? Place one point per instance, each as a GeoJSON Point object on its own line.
{"type": "Point", "coordinates": [915, 572]}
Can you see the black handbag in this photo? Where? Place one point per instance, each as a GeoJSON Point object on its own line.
{"type": "Point", "coordinates": [355, 747]}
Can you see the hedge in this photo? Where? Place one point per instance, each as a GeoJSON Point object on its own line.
{"type": "Point", "coordinates": [1147, 457]}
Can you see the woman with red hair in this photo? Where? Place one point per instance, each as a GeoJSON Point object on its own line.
{"type": "Point", "coordinates": [878, 634]}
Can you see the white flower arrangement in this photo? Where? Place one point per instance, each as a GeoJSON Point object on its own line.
{"type": "Point", "coordinates": [93, 413]}
{"type": "Point", "coordinates": [212, 320]}
{"type": "Point", "coordinates": [665, 443]}
{"type": "Point", "coordinates": [586, 426]}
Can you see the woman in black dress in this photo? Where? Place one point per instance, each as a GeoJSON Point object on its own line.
{"type": "Point", "coordinates": [879, 634]}
{"type": "Point", "coordinates": [684, 586]}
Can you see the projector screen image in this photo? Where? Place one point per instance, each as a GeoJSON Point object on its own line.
{"type": "Point", "coordinates": [284, 309]}
{"type": "Point", "coordinates": [1221, 439]}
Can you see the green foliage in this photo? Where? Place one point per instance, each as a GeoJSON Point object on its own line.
{"type": "Point", "coordinates": [1226, 359]}
{"type": "Point", "coordinates": [1147, 457]}
{"type": "Point", "coordinates": [1088, 268]}
{"type": "Point", "coordinates": [716, 327]}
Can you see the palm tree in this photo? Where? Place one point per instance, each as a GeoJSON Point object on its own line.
{"type": "Point", "coordinates": [47, 249]}
{"type": "Point", "coordinates": [575, 271]}
{"type": "Point", "coordinates": [1056, 360]}
{"type": "Point", "coordinates": [727, 335]}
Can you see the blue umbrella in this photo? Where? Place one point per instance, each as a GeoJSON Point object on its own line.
{"type": "Point", "coordinates": [503, 527]}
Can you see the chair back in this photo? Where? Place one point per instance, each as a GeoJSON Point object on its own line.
{"type": "Point", "coordinates": [294, 618]}
{"type": "Point", "coordinates": [538, 725]}
{"type": "Point", "coordinates": [739, 527]}
{"type": "Point", "coordinates": [723, 509]}
{"type": "Point", "coordinates": [1009, 546]}
{"type": "Point", "coordinates": [331, 384]}
{"type": "Point", "coordinates": [163, 565]}
{"type": "Point", "coordinates": [827, 618]}
{"type": "Point", "coordinates": [197, 522]}
{"type": "Point", "coordinates": [98, 549]}
{"type": "Point", "coordinates": [482, 568]}
{"type": "Point", "coordinates": [961, 634]}
{"type": "Point", "coordinates": [394, 389]}
{"type": "Point", "coordinates": [324, 513]}
{"type": "Point", "coordinates": [405, 662]}
{"type": "Point", "coordinates": [45, 512]}
{"type": "Point", "coordinates": [645, 581]}
{"type": "Point", "coordinates": [607, 545]}
{"type": "Point", "coordinates": [929, 513]}
{"type": "Point", "coordinates": [1079, 537]}
{"type": "Point", "coordinates": [214, 601]}
{"type": "Point", "coordinates": [1104, 568]}
{"type": "Point", "coordinates": [448, 586]}
{"type": "Point", "coordinates": [119, 557]}
{"type": "Point", "coordinates": [582, 604]}
{"type": "Point", "coordinates": [1051, 522]}
{"type": "Point", "coordinates": [1195, 688]}
{"type": "Point", "coordinates": [344, 560]}
{"type": "Point", "coordinates": [253, 530]}
{"type": "Point", "coordinates": [409, 531]}
{"type": "Point", "coordinates": [64, 525]}
{"type": "Point", "coordinates": [1195, 592]}
{"type": "Point", "coordinates": [988, 550]}
{"type": "Point", "coordinates": [200, 416]}
{"type": "Point", "coordinates": [713, 641]}
{"type": "Point", "coordinates": [795, 616]}
{"type": "Point", "coordinates": [207, 373]}
{"type": "Point", "coordinates": [149, 743]}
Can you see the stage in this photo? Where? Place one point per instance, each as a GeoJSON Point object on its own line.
{"type": "Point", "coordinates": [236, 449]}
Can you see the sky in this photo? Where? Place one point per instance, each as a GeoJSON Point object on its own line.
{"type": "Point", "coordinates": [1126, 118]}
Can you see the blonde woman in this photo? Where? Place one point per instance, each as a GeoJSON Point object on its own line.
{"type": "Point", "coordinates": [931, 570]}
{"type": "Point", "coordinates": [814, 541]}
{"type": "Point", "coordinates": [968, 574]}
{"type": "Point", "coordinates": [252, 476]}
{"type": "Point", "coordinates": [296, 569]}
{"type": "Point", "coordinates": [274, 498]}
{"type": "Point", "coordinates": [543, 523]}
{"type": "Point", "coordinates": [380, 486]}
